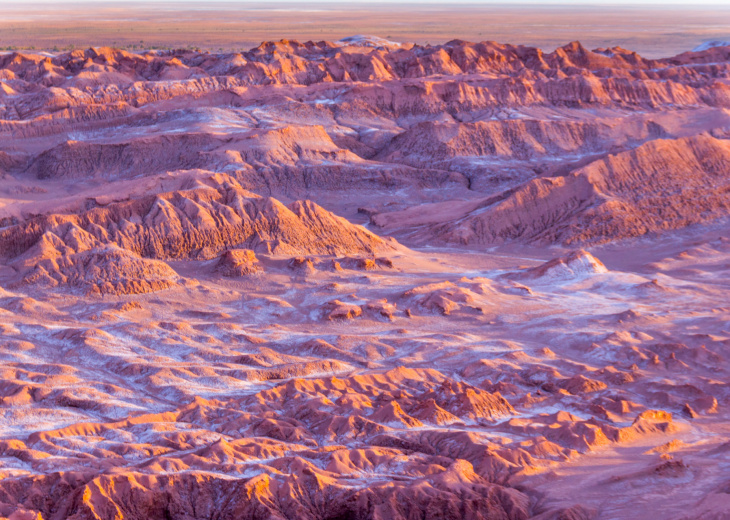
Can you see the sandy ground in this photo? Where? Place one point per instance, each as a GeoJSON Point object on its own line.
{"type": "Point", "coordinates": [657, 32]}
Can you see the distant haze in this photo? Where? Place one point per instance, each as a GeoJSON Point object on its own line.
{"type": "Point", "coordinates": [204, 4]}
{"type": "Point", "coordinates": [654, 28]}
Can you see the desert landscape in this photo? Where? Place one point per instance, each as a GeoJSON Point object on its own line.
{"type": "Point", "coordinates": [365, 278]}
{"type": "Point", "coordinates": [658, 30]}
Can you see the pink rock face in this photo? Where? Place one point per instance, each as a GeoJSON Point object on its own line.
{"type": "Point", "coordinates": [364, 280]}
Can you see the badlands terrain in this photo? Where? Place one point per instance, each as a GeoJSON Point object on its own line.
{"type": "Point", "coordinates": [365, 280]}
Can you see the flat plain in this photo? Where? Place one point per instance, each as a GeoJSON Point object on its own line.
{"type": "Point", "coordinates": [654, 33]}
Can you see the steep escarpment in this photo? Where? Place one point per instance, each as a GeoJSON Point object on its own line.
{"type": "Point", "coordinates": [84, 160]}
{"type": "Point", "coordinates": [116, 248]}
{"type": "Point", "coordinates": [201, 222]}
{"type": "Point", "coordinates": [292, 62]}
{"type": "Point", "coordinates": [313, 495]}
{"type": "Point", "coordinates": [661, 185]}
{"type": "Point", "coordinates": [71, 84]}
{"type": "Point", "coordinates": [296, 120]}
{"type": "Point", "coordinates": [522, 139]}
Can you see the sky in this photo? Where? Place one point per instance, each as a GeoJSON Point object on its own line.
{"type": "Point", "coordinates": [203, 3]}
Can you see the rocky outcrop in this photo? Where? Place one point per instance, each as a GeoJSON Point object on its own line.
{"type": "Point", "coordinates": [238, 262]}
{"type": "Point", "coordinates": [661, 185]}
{"type": "Point", "coordinates": [310, 495]}
{"type": "Point", "coordinates": [116, 248]}
{"type": "Point", "coordinates": [200, 223]}
{"type": "Point", "coordinates": [98, 271]}
{"type": "Point", "coordinates": [514, 139]}
{"type": "Point", "coordinates": [574, 266]}
{"type": "Point", "coordinates": [292, 62]}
